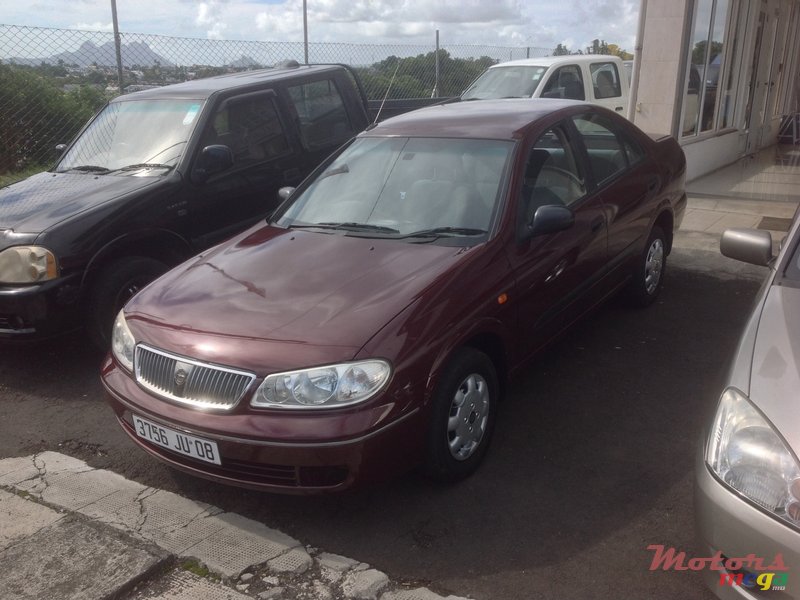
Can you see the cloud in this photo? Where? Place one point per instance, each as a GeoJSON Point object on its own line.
{"type": "Point", "coordinates": [95, 26]}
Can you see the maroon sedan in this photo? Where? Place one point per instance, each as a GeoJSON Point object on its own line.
{"type": "Point", "coordinates": [372, 323]}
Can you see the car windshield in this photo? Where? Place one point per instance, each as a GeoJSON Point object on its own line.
{"type": "Point", "coordinates": [133, 133]}
{"type": "Point", "coordinates": [505, 82]}
{"type": "Point", "coordinates": [405, 187]}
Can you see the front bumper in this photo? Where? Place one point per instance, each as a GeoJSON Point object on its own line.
{"type": "Point", "coordinates": [368, 450]}
{"type": "Point", "coordinates": [727, 523]}
{"type": "Point", "coordinates": [41, 310]}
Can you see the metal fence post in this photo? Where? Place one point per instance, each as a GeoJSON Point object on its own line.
{"type": "Point", "coordinates": [117, 43]}
{"type": "Point", "coordinates": [435, 92]}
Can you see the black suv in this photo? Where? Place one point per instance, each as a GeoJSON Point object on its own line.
{"type": "Point", "coordinates": [154, 178]}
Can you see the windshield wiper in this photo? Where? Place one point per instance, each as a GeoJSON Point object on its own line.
{"type": "Point", "coordinates": [445, 231]}
{"type": "Point", "coordinates": [88, 169]}
{"type": "Point", "coordinates": [144, 166]}
{"type": "Point", "coordinates": [348, 226]}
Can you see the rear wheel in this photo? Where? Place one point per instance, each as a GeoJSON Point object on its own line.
{"type": "Point", "coordinates": [648, 274]}
{"type": "Point", "coordinates": [115, 285]}
{"type": "Point", "coordinates": [464, 407]}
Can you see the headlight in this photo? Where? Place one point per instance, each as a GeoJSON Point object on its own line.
{"type": "Point", "coordinates": [27, 264]}
{"type": "Point", "coordinates": [122, 342]}
{"type": "Point", "coordinates": [323, 387]}
{"type": "Point", "coordinates": [746, 453]}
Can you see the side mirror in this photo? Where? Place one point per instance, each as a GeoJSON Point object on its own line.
{"type": "Point", "coordinates": [747, 245]}
{"type": "Point", "coordinates": [285, 192]}
{"type": "Point", "coordinates": [550, 218]}
{"type": "Point", "coordinates": [60, 148]}
{"type": "Point", "coordinates": [213, 159]}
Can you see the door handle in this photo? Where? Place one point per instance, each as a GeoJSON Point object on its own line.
{"type": "Point", "coordinates": [652, 184]}
{"type": "Point", "coordinates": [597, 224]}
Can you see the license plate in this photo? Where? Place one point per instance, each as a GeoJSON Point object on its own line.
{"type": "Point", "coordinates": [188, 445]}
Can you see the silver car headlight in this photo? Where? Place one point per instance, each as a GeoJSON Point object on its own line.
{"type": "Point", "coordinates": [27, 264]}
{"type": "Point", "coordinates": [323, 387]}
{"type": "Point", "coordinates": [123, 343]}
{"type": "Point", "coordinates": [746, 452]}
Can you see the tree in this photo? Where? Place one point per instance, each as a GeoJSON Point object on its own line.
{"type": "Point", "coordinates": [37, 115]}
{"type": "Point", "coordinates": [699, 52]}
{"type": "Point", "coordinates": [615, 50]}
{"type": "Point", "coordinates": [561, 50]}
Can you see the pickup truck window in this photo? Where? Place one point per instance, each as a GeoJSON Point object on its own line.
{"type": "Point", "coordinates": [321, 112]}
{"type": "Point", "coordinates": [566, 82]}
{"type": "Point", "coordinates": [250, 127]}
{"type": "Point", "coordinates": [606, 80]}
{"type": "Point", "coordinates": [133, 132]}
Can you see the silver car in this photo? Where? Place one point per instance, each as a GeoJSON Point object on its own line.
{"type": "Point", "coordinates": [747, 493]}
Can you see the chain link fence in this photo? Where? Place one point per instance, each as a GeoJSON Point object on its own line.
{"type": "Point", "coordinates": [53, 80]}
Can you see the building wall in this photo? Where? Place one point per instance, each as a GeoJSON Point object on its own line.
{"type": "Point", "coordinates": [672, 86]}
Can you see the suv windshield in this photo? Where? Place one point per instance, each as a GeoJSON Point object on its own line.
{"type": "Point", "coordinates": [505, 82]}
{"type": "Point", "coordinates": [134, 132]}
{"type": "Point", "coordinates": [402, 187]}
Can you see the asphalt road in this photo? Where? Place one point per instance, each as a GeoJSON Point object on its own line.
{"type": "Point", "coordinates": [591, 462]}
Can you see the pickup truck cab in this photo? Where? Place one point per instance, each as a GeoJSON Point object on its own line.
{"type": "Point", "coordinates": [594, 78]}
{"type": "Point", "coordinates": [156, 177]}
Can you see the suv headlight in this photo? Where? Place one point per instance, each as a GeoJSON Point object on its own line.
{"type": "Point", "coordinates": [323, 387]}
{"type": "Point", "coordinates": [746, 452]}
{"type": "Point", "coordinates": [122, 342]}
{"type": "Point", "coordinates": [27, 264]}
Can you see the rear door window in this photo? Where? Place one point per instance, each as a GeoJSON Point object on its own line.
{"type": "Point", "coordinates": [605, 79]}
{"type": "Point", "coordinates": [321, 113]}
{"type": "Point", "coordinates": [607, 154]}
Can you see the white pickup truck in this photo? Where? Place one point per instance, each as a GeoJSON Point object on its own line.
{"type": "Point", "coordinates": [594, 78]}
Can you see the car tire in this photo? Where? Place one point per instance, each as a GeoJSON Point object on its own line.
{"type": "Point", "coordinates": [649, 270]}
{"type": "Point", "coordinates": [463, 414]}
{"type": "Point", "coordinates": [114, 286]}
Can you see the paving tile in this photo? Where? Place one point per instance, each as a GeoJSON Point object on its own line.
{"type": "Point", "coordinates": [21, 518]}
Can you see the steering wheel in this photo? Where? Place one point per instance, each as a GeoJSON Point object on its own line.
{"type": "Point", "coordinates": [559, 172]}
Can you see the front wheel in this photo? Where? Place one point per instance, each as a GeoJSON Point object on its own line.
{"type": "Point", "coordinates": [115, 285]}
{"type": "Point", "coordinates": [464, 407]}
{"type": "Point", "coordinates": [648, 274]}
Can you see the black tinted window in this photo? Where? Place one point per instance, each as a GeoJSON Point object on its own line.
{"type": "Point", "coordinates": [321, 113]}
{"type": "Point", "coordinates": [250, 127]}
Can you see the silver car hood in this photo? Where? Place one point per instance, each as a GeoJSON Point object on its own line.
{"type": "Point", "coordinates": [775, 373]}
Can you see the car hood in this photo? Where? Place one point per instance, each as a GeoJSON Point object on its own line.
{"type": "Point", "coordinates": [41, 201]}
{"type": "Point", "coordinates": [775, 377]}
{"type": "Point", "coordinates": [282, 299]}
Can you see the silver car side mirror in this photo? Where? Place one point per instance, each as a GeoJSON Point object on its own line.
{"type": "Point", "coordinates": [285, 192]}
{"type": "Point", "coordinates": [747, 245]}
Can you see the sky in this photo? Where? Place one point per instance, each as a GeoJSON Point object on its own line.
{"type": "Point", "coordinates": [535, 23]}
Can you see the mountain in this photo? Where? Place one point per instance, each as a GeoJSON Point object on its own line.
{"type": "Point", "coordinates": [245, 62]}
{"type": "Point", "coordinates": [135, 53]}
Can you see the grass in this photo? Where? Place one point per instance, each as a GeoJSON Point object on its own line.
{"type": "Point", "coordinates": [198, 569]}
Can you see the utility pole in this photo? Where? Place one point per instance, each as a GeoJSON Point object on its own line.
{"type": "Point", "coordinates": [117, 43]}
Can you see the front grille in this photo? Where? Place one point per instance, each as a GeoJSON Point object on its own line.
{"type": "Point", "coordinates": [188, 381]}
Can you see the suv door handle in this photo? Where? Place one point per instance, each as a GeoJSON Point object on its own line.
{"type": "Point", "coordinates": [597, 224]}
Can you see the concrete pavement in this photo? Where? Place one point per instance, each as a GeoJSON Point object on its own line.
{"type": "Point", "coordinates": [70, 531]}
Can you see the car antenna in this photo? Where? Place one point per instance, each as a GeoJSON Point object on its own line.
{"type": "Point", "coordinates": [386, 95]}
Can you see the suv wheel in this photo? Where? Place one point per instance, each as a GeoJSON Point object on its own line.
{"type": "Point", "coordinates": [115, 285]}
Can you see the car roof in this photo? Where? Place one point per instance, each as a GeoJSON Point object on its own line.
{"type": "Point", "coordinates": [483, 119]}
{"type": "Point", "coordinates": [566, 59]}
{"type": "Point", "coordinates": [203, 88]}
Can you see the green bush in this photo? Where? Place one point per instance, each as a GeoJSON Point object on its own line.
{"type": "Point", "coordinates": [37, 114]}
